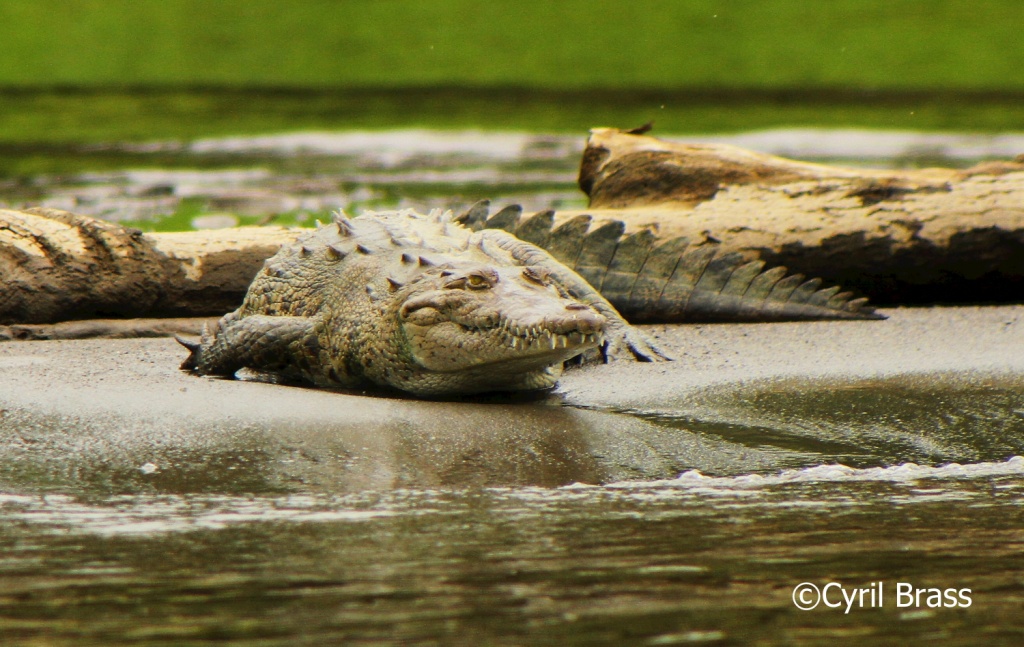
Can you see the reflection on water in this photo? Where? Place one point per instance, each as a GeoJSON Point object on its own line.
{"type": "Point", "coordinates": [861, 423]}
{"type": "Point", "coordinates": [700, 558]}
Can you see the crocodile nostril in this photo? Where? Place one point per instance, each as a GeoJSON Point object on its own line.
{"type": "Point", "coordinates": [577, 306]}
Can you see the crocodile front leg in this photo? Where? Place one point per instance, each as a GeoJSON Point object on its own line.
{"type": "Point", "coordinates": [276, 344]}
{"type": "Point", "coordinates": [623, 340]}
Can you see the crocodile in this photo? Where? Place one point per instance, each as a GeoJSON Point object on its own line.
{"type": "Point", "coordinates": [439, 305]}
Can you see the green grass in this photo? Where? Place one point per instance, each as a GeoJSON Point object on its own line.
{"type": "Point", "coordinates": [36, 127]}
{"type": "Point", "coordinates": [879, 44]}
{"type": "Point", "coordinates": [190, 208]}
{"type": "Point", "coordinates": [75, 71]}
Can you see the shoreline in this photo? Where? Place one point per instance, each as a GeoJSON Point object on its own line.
{"type": "Point", "coordinates": [106, 408]}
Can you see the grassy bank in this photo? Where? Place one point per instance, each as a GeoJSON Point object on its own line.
{"type": "Point", "coordinates": [665, 44]}
{"type": "Point", "coordinates": [58, 118]}
{"type": "Point", "coordinates": [74, 71]}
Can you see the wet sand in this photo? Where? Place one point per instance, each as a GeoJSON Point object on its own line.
{"type": "Point", "coordinates": [118, 415]}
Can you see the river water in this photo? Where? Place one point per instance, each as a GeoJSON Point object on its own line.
{"type": "Point", "coordinates": [692, 560]}
{"type": "Point", "coordinates": [695, 559]}
{"type": "Point", "coordinates": [894, 507]}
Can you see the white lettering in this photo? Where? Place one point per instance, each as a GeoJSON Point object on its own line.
{"type": "Point", "coordinates": [965, 596]}
{"type": "Point", "coordinates": [950, 601]}
{"type": "Point", "coordinates": [849, 598]}
{"type": "Point", "coordinates": [824, 595]}
{"type": "Point", "coordinates": [904, 594]}
{"type": "Point", "coordinates": [873, 596]}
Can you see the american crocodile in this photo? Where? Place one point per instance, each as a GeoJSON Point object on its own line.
{"type": "Point", "coordinates": [436, 305]}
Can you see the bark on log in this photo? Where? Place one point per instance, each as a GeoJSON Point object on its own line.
{"type": "Point", "coordinates": [918, 236]}
{"type": "Point", "coordinates": [622, 169]}
{"type": "Point", "coordinates": [56, 266]}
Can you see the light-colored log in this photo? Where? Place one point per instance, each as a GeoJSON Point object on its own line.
{"type": "Point", "coordinates": [915, 236]}
{"type": "Point", "coordinates": [56, 266]}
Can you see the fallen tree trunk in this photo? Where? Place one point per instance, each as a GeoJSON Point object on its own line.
{"type": "Point", "coordinates": [56, 266]}
{"type": "Point", "coordinates": [917, 236]}
{"type": "Point", "coordinates": [626, 169]}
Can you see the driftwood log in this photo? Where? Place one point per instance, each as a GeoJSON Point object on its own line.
{"type": "Point", "coordinates": [56, 266]}
{"type": "Point", "coordinates": [900, 237]}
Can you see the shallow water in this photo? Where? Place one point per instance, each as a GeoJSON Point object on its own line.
{"type": "Point", "coordinates": [860, 423]}
{"type": "Point", "coordinates": [294, 178]}
{"type": "Point", "coordinates": [714, 557]}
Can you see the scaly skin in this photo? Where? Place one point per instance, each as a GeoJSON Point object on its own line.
{"type": "Point", "coordinates": [417, 303]}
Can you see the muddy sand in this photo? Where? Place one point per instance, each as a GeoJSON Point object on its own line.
{"type": "Point", "coordinates": [118, 415]}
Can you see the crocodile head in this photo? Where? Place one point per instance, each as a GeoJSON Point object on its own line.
{"type": "Point", "coordinates": [476, 327]}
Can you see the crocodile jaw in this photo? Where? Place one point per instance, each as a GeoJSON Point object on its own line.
{"type": "Point", "coordinates": [506, 348]}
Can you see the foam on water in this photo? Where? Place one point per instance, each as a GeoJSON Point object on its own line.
{"type": "Point", "coordinates": [139, 515]}
{"type": "Point", "coordinates": [150, 515]}
{"type": "Point", "coordinates": [903, 473]}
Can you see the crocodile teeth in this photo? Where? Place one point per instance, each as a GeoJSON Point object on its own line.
{"type": "Point", "coordinates": [518, 336]}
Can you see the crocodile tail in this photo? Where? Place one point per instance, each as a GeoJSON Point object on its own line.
{"type": "Point", "coordinates": [681, 282]}
{"type": "Point", "coordinates": [648, 280]}
{"type": "Point", "coordinates": [674, 281]}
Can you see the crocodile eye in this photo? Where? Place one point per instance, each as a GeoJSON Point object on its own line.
{"type": "Point", "coordinates": [477, 282]}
